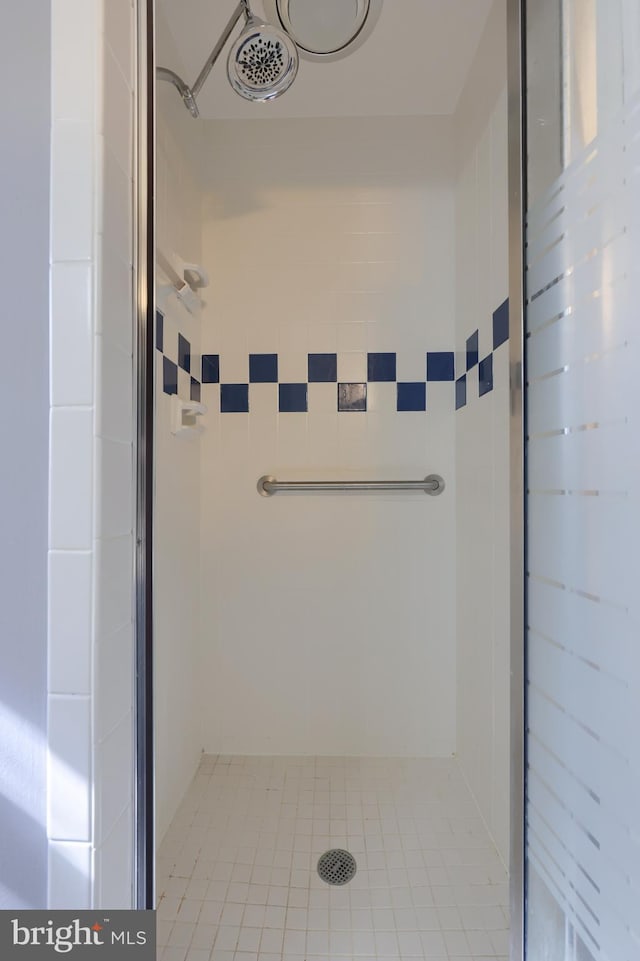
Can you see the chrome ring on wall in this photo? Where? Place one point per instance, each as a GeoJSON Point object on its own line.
{"type": "Point", "coordinates": [365, 17]}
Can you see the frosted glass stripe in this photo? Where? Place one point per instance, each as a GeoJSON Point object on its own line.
{"type": "Point", "coordinates": [583, 481]}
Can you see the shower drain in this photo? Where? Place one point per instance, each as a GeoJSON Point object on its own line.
{"type": "Point", "coordinates": [337, 866]}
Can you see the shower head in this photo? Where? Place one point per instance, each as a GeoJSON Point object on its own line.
{"type": "Point", "coordinates": [262, 62]}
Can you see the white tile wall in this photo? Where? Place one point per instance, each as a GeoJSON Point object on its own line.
{"type": "Point", "coordinates": [91, 471]}
{"type": "Point", "coordinates": [482, 470]}
{"type": "Point", "coordinates": [70, 576]}
{"type": "Point", "coordinates": [70, 870]}
{"type": "Point", "coordinates": [69, 793]}
{"type": "Point", "coordinates": [328, 236]}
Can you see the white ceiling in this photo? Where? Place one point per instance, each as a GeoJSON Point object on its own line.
{"type": "Point", "coordinates": [415, 62]}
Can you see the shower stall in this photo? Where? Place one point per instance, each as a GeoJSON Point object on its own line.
{"type": "Point", "coordinates": [331, 661]}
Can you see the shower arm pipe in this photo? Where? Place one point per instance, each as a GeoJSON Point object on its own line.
{"type": "Point", "coordinates": [241, 10]}
{"type": "Point", "coordinates": [188, 93]}
{"type": "Point", "coordinates": [432, 484]}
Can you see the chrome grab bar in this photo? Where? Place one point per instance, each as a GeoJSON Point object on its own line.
{"type": "Point", "coordinates": [432, 484]}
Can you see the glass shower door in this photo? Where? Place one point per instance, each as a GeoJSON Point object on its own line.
{"type": "Point", "coordinates": [583, 469]}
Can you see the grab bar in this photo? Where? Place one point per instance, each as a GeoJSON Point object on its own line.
{"type": "Point", "coordinates": [267, 486]}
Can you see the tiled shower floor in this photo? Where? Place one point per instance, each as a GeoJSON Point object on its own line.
{"type": "Point", "coordinates": [237, 874]}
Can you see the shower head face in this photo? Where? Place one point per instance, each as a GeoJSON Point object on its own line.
{"type": "Point", "coordinates": [262, 63]}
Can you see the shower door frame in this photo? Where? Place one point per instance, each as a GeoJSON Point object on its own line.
{"type": "Point", "coordinates": [516, 90]}
{"type": "Point", "coordinates": [144, 841]}
{"type": "Point", "coordinates": [144, 888]}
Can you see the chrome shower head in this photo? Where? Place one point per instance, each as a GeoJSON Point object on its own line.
{"type": "Point", "coordinates": [262, 62]}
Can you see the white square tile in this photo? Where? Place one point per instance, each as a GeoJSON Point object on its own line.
{"type": "Point", "coordinates": [69, 768]}
{"type": "Point", "coordinates": [69, 618]}
{"type": "Point", "coordinates": [72, 190]}
{"type": "Point", "coordinates": [118, 110]}
{"type": "Point", "coordinates": [71, 334]}
{"type": "Point", "coordinates": [198, 954]}
{"type": "Point", "coordinates": [352, 367]}
{"type": "Point", "coordinates": [114, 579]}
{"type": "Point", "coordinates": [119, 34]}
{"type": "Point", "coordinates": [204, 935]}
{"type": "Point", "coordinates": [69, 876]}
{"type": "Point", "coordinates": [75, 37]}
{"type": "Point", "coordinates": [294, 942]}
{"type": "Point", "coordinates": [114, 865]}
{"type": "Point", "coordinates": [114, 397]}
{"type": "Point", "coordinates": [114, 764]}
{"type": "Point", "coordinates": [113, 488]}
{"type": "Point", "coordinates": [272, 940]}
{"type": "Point", "coordinates": [172, 953]}
{"type": "Point", "coordinates": [115, 291]}
{"type": "Point", "coordinates": [115, 665]}
{"type": "Point", "coordinates": [116, 212]}
{"type": "Point", "coordinates": [70, 479]}
{"type": "Point", "coordinates": [181, 934]}
{"type": "Point", "coordinates": [227, 937]}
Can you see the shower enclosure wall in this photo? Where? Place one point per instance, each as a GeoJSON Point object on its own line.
{"type": "Point", "coordinates": [356, 327]}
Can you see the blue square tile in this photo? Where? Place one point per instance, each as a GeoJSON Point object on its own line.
{"type": "Point", "coordinates": [234, 398]}
{"type": "Point", "coordinates": [461, 392]}
{"type": "Point", "coordinates": [412, 396]}
{"type": "Point", "coordinates": [169, 376]}
{"type": "Point", "coordinates": [184, 353]}
{"type": "Point", "coordinates": [381, 367]}
{"type": "Point", "coordinates": [210, 368]}
{"type": "Point", "coordinates": [501, 324]}
{"type": "Point", "coordinates": [352, 397]}
{"type": "Point", "coordinates": [196, 390]}
{"type": "Point", "coordinates": [440, 365]}
{"type": "Point", "coordinates": [323, 368]}
{"type": "Point", "coordinates": [159, 331]}
{"type": "Point", "coordinates": [263, 368]}
{"type": "Point", "coordinates": [485, 375]}
{"type": "Point", "coordinates": [472, 350]}
{"type": "Point", "coordinates": [292, 398]}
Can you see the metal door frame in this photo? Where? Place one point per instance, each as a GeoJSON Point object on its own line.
{"type": "Point", "coordinates": [144, 868]}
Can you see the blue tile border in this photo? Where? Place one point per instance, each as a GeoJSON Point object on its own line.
{"type": "Point", "coordinates": [381, 367]}
{"type": "Point", "coordinates": [412, 396]}
{"type": "Point", "coordinates": [184, 353]}
{"type": "Point", "coordinates": [159, 331]}
{"type": "Point", "coordinates": [292, 398]}
{"type": "Point", "coordinates": [234, 399]}
{"type": "Point", "coordinates": [485, 375]}
{"type": "Point", "coordinates": [263, 368]}
{"type": "Point", "coordinates": [323, 368]}
{"type": "Point", "coordinates": [501, 324]}
{"type": "Point", "coordinates": [473, 352]}
{"type": "Point", "coordinates": [169, 376]}
{"type": "Point", "coordinates": [210, 368]}
{"type": "Point", "coordinates": [440, 365]}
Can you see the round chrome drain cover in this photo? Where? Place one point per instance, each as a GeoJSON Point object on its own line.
{"type": "Point", "coordinates": [337, 866]}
